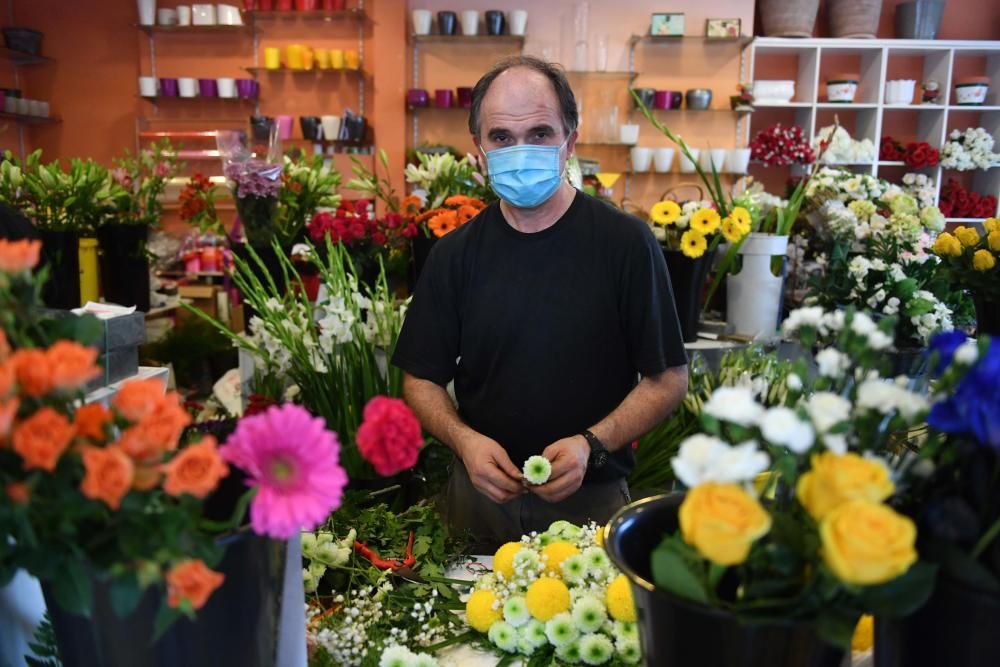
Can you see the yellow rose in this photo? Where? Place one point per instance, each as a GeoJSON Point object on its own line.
{"type": "Point", "coordinates": [992, 224]}
{"type": "Point", "coordinates": [693, 244]}
{"type": "Point", "coordinates": [967, 235]}
{"type": "Point", "coordinates": [835, 479]}
{"type": "Point", "coordinates": [993, 239]}
{"type": "Point", "coordinates": [946, 244]}
{"type": "Point", "coordinates": [665, 212]}
{"type": "Point", "coordinates": [721, 521]}
{"type": "Point", "coordinates": [983, 260]}
{"type": "Point", "coordinates": [867, 543]}
{"type": "Point", "coordinates": [705, 220]}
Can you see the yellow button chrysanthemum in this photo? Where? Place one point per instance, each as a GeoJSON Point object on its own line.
{"type": "Point", "coordinates": [619, 600]}
{"type": "Point", "coordinates": [693, 244]}
{"type": "Point", "coordinates": [546, 598]}
{"type": "Point", "coordinates": [665, 212]}
{"type": "Point", "coordinates": [983, 260]}
{"type": "Point", "coordinates": [705, 221]}
{"type": "Point", "coordinates": [503, 560]}
{"type": "Point", "coordinates": [556, 553]}
{"type": "Point", "coordinates": [481, 611]}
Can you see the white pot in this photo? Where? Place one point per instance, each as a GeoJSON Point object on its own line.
{"type": "Point", "coordinates": [841, 90]}
{"type": "Point", "coordinates": [331, 127]}
{"type": "Point", "coordinates": [971, 93]}
{"type": "Point", "coordinates": [687, 167]}
{"type": "Point", "coordinates": [518, 20]}
{"type": "Point", "coordinates": [470, 22]}
{"type": "Point", "coordinates": [773, 90]}
{"type": "Point", "coordinates": [227, 87]}
{"type": "Point", "coordinates": [642, 158]}
{"type": "Point", "coordinates": [203, 15]}
{"type": "Point", "coordinates": [187, 86]}
{"type": "Point", "coordinates": [147, 11]}
{"type": "Point", "coordinates": [737, 160]}
{"type": "Point", "coordinates": [899, 91]}
{"type": "Point", "coordinates": [628, 134]}
{"type": "Point", "coordinates": [663, 159]}
{"type": "Point", "coordinates": [422, 21]}
{"type": "Point", "coordinates": [183, 15]}
{"type": "Point", "coordinates": [713, 157]}
{"type": "Point", "coordinates": [228, 15]}
{"type": "Point", "coordinates": [753, 296]}
{"type": "Point", "coordinates": [147, 86]}
{"type": "Point", "coordinates": [166, 16]}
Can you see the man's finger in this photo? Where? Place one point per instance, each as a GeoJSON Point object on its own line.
{"type": "Point", "coordinates": [500, 479]}
{"type": "Point", "coordinates": [507, 466]}
{"type": "Point", "coordinates": [493, 492]}
{"type": "Point", "coordinates": [565, 484]}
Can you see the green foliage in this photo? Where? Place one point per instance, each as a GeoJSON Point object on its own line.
{"type": "Point", "coordinates": [143, 178]}
{"type": "Point", "coordinates": [43, 647]}
{"type": "Point", "coordinates": [307, 185]}
{"type": "Point", "coordinates": [197, 351]}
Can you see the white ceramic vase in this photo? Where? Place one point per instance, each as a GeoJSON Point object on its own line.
{"type": "Point", "coordinates": [147, 12]}
{"type": "Point", "coordinates": [642, 158]}
{"type": "Point", "coordinates": [687, 166]}
{"type": "Point", "coordinates": [753, 296]}
{"type": "Point", "coordinates": [663, 159]}
{"type": "Point", "coordinates": [737, 160]}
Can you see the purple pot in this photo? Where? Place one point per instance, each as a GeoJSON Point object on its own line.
{"type": "Point", "coordinates": [676, 99]}
{"type": "Point", "coordinates": [246, 88]}
{"type": "Point", "coordinates": [661, 99]}
{"type": "Point", "coordinates": [442, 98]}
{"type": "Point", "coordinates": [465, 98]}
{"type": "Point", "coordinates": [208, 88]}
{"type": "Point", "coordinates": [168, 87]}
{"type": "Point", "coordinates": [417, 97]}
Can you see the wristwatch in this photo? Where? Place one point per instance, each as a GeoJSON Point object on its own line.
{"type": "Point", "coordinates": [598, 452]}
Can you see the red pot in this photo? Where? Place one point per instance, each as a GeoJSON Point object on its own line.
{"type": "Point", "coordinates": [249, 5]}
{"type": "Point", "coordinates": [334, 5]}
{"type": "Point", "coordinates": [284, 5]}
{"type": "Point", "coordinates": [305, 5]}
{"type": "Point", "coordinates": [265, 5]}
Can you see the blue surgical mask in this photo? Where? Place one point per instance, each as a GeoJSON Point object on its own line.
{"type": "Point", "coordinates": [525, 176]}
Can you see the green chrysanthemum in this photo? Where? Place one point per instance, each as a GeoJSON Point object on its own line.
{"type": "Point", "coordinates": [589, 614]}
{"type": "Point", "coordinates": [534, 633]}
{"type": "Point", "coordinates": [564, 530]}
{"type": "Point", "coordinates": [524, 647]}
{"type": "Point", "coordinates": [624, 630]}
{"type": "Point", "coordinates": [504, 636]}
{"type": "Point", "coordinates": [515, 611]}
{"type": "Point", "coordinates": [527, 561]}
{"type": "Point", "coordinates": [424, 660]}
{"type": "Point", "coordinates": [561, 631]}
{"type": "Point", "coordinates": [396, 656]}
{"type": "Point", "coordinates": [629, 651]}
{"type": "Point", "coordinates": [596, 649]}
{"type": "Point", "coordinates": [574, 569]}
{"type": "Point", "coordinates": [597, 561]}
{"type": "Point", "coordinates": [569, 653]}
{"type": "Point", "coordinates": [537, 469]}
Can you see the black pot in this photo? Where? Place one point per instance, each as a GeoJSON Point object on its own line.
{"type": "Point", "coordinates": [647, 95]}
{"type": "Point", "coordinates": [495, 22]}
{"type": "Point", "coordinates": [919, 20]}
{"type": "Point", "coordinates": [61, 253]}
{"type": "Point", "coordinates": [678, 633]}
{"type": "Point", "coordinates": [237, 626]}
{"type": "Point", "coordinates": [125, 265]}
{"type": "Point", "coordinates": [260, 127]}
{"type": "Point", "coordinates": [311, 127]}
{"type": "Point", "coordinates": [25, 40]}
{"type": "Point", "coordinates": [687, 278]}
{"type": "Point", "coordinates": [957, 628]}
{"type": "Point", "coordinates": [447, 22]}
{"type": "Point", "coordinates": [987, 316]}
{"type": "Point", "coordinates": [420, 250]}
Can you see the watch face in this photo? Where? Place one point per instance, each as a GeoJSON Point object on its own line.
{"type": "Point", "coordinates": [600, 458]}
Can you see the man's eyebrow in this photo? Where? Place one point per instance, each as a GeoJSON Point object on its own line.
{"type": "Point", "coordinates": [544, 127]}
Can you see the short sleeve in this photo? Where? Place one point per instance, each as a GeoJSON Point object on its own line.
{"type": "Point", "coordinates": [428, 343]}
{"type": "Point", "coordinates": [652, 330]}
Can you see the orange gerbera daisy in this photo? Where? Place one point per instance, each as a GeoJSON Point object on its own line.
{"type": "Point", "coordinates": [466, 213]}
{"type": "Point", "coordinates": [410, 206]}
{"type": "Point", "coordinates": [456, 200]}
{"type": "Point", "coordinates": [443, 223]}
{"type": "Point", "coordinates": [478, 203]}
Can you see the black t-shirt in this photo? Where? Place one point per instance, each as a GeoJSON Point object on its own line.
{"type": "Point", "coordinates": [544, 333]}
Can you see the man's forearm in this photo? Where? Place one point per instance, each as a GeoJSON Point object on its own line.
{"type": "Point", "coordinates": [434, 408]}
{"type": "Point", "coordinates": [648, 404]}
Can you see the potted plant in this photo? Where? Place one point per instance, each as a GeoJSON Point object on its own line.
{"type": "Point", "coordinates": [783, 537]}
{"type": "Point", "coordinates": [970, 262]}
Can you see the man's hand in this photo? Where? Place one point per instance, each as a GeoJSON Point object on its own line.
{"type": "Point", "coordinates": [569, 458]}
{"type": "Point", "coordinates": [490, 469]}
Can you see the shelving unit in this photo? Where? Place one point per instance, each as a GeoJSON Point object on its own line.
{"type": "Point", "coordinates": [21, 58]}
{"type": "Point", "coordinates": [26, 119]}
{"type": "Point", "coordinates": [17, 60]}
{"type": "Point", "coordinates": [876, 62]}
{"type": "Point", "coordinates": [193, 29]}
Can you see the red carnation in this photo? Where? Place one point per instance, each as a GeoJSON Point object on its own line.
{"type": "Point", "coordinates": [389, 437]}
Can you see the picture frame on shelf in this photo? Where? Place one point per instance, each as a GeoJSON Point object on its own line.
{"type": "Point", "coordinates": [723, 28]}
{"type": "Point", "coordinates": [667, 25]}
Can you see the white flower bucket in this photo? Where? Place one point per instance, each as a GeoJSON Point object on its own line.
{"type": "Point", "coordinates": [753, 296]}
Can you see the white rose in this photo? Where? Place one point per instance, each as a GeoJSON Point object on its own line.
{"type": "Point", "coordinates": [782, 426]}
{"type": "Point", "coordinates": [879, 341]}
{"type": "Point", "coordinates": [735, 405]}
{"type": "Point", "coordinates": [835, 443]}
{"type": "Point", "coordinates": [862, 324]}
{"type": "Point", "coordinates": [827, 409]}
{"type": "Point", "coordinates": [696, 459]}
{"type": "Point", "coordinates": [967, 353]}
{"type": "Point", "coordinates": [832, 363]}
{"type": "Point", "coordinates": [741, 463]}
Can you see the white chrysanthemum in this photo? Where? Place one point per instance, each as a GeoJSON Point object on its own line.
{"type": "Point", "coordinates": [810, 316]}
{"type": "Point", "coordinates": [885, 397]}
{"type": "Point", "coordinates": [629, 650]}
{"type": "Point", "coordinates": [827, 409]}
{"type": "Point", "coordinates": [782, 426]}
{"type": "Point", "coordinates": [424, 660]}
{"type": "Point", "coordinates": [560, 630]}
{"type": "Point", "coordinates": [537, 469]}
{"type": "Point", "coordinates": [793, 382]}
{"type": "Point", "coordinates": [735, 405]}
{"type": "Point", "coordinates": [533, 633]}
{"type": "Point", "coordinates": [569, 653]}
{"type": "Point", "coordinates": [504, 636]}
{"type": "Point", "coordinates": [515, 611]}
{"type": "Point", "coordinates": [589, 614]}
{"type": "Point", "coordinates": [622, 630]}
{"type": "Point", "coordinates": [396, 656]}
{"type": "Point", "coordinates": [878, 340]}
{"type": "Point", "coordinates": [597, 561]}
{"type": "Point", "coordinates": [574, 569]}
{"type": "Point", "coordinates": [596, 649]}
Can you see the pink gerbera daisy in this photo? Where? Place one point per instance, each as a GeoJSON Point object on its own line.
{"type": "Point", "coordinates": [294, 462]}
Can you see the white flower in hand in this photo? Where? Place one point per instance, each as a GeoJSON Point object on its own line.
{"type": "Point", "coordinates": [537, 470]}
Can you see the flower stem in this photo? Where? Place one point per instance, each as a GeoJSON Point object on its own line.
{"type": "Point", "coordinates": [985, 540]}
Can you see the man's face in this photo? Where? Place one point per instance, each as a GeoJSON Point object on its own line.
{"type": "Point", "coordinates": [521, 107]}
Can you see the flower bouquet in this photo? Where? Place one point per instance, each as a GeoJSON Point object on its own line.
{"type": "Point", "coordinates": [969, 261]}
{"type": "Point", "coordinates": [921, 186]}
{"type": "Point", "coordinates": [779, 146]}
{"type": "Point", "coordinates": [436, 177]}
{"type": "Point", "coordinates": [307, 185]}
{"type": "Point", "coordinates": [972, 149]}
{"type": "Point", "coordinates": [197, 201]}
{"type": "Point", "coordinates": [256, 183]}
{"type": "Point", "coordinates": [454, 212]}
{"type": "Point", "coordinates": [366, 237]}
{"type": "Point", "coordinates": [843, 148]}
{"type": "Point", "coordinates": [958, 202]}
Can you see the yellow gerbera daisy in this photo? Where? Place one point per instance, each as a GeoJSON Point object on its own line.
{"type": "Point", "coordinates": [741, 216]}
{"type": "Point", "coordinates": [693, 244]}
{"type": "Point", "coordinates": [705, 221]}
{"type": "Point", "coordinates": [665, 212]}
{"type": "Point", "coordinates": [733, 230]}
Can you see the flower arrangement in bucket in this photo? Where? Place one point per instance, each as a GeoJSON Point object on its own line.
{"type": "Point", "coordinates": [112, 495]}
{"type": "Point", "coordinates": [784, 522]}
{"type": "Point", "coordinates": [969, 260]}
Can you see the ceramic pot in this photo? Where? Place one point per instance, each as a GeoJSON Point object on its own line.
{"type": "Point", "coordinates": [687, 166]}
{"type": "Point", "coordinates": [647, 96]}
{"type": "Point", "coordinates": [842, 88]}
{"type": "Point", "coordinates": [518, 19]}
{"type": "Point", "coordinates": [422, 19]}
{"type": "Point", "coordinates": [919, 20]}
{"type": "Point", "coordinates": [443, 98]}
{"type": "Point", "coordinates": [245, 88]}
{"type": "Point", "coordinates": [208, 88]}
{"type": "Point", "coordinates": [464, 97]}
{"type": "Point", "coordinates": [147, 11]}
{"type": "Point", "coordinates": [971, 90]}
{"type": "Point", "coordinates": [447, 21]}
{"type": "Point", "coordinates": [470, 22]}
{"type": "Point", "coordinates": [699, 99]}
{"type": "Point", "coordinates": [495, 22]}
{"type": "Point", "coordinates": [661, 99]}
{"type": "Point", "coordinates": [417, 98]}
{"type": "Point", "coordinates": [687, 279]}
{"type": "Point", "coordinates": [754, 295]}
{"type": "Point", "coordinates": [312, 128]}
{"type": "Point", "coordinates": [642, 158]}
{"type": "Point", "coordinates": [663, 159]}
{"type": "Point", "coordinates": [169, 87]}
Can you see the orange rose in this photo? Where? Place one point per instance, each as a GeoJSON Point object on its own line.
{"type": "Point", "coordinates": [72, 365]}
{"type": "Point", "coordinates": [157, 432]}
{"type": "Point", "coordinates": [16, 256]}
{"type": "Point", "coordinates": [190, 580]}
{"type": "Point", "coordinates": [4, 346]}
{"type": "Point", "coordinates": [32, 371]}
{"type": "Point", "coordinates": [6, 378]}
{"type": "Point", "coordinates": [137, 398]}
{"type": "Point", "coordinates": [8, 410]}
{"type": "Point", "coordinates": [197, 470]}
{"type": "Point", "coordinates": [18, 492]}
{"type": "Point", "coordinates": [108, 475]}
{"type": "Point", "coordinates": [90, 421]}
{"type": "Point", "coordinates": [147, 476]}
{"type": "Point", "coordinates": [42, 438]}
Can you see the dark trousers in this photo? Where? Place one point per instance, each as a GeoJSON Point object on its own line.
{"type": "Point", "coordinates": [492, 524]}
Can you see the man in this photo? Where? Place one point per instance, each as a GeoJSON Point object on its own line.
{"type": "Point", "coordinates": [545, 310]}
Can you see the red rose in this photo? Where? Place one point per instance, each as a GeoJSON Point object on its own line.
{"type": "Point", "coordinates": [946, 208]}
